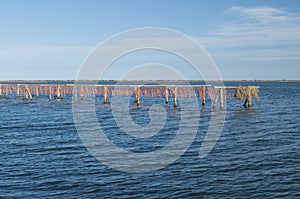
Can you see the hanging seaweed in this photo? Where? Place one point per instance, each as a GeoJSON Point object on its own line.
{"type": "Point", "coordinates": [242, 92]}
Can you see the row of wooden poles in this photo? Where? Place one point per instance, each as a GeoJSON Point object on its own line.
{"type": "Point", "coordinates": [57, 91]}
{"type": "Point", "coordinates": [26, 91]}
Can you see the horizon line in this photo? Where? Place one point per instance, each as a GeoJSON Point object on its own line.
{"type": "Point", "coordinates": [113, 80]}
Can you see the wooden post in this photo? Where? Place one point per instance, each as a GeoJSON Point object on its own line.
{"type": "Point", "coordinates": [0, 91]}
{"type": "Point", "coordinates": [75, 93]}
{"type": "Point", "coordinates": [135, 94]}
{"type": "Point", "coordinates": [18, 90]}
{"type": "Point", "coordinates": [30, 96]}
{"type": "Point", "coordinates": [138, 96]}
{"type": "Point", "coordinates": [58, 92]}
{"type": "Point", "coordinates": [167, 95]}
{"type": "Point", "coordinates": [203, 96]}
{"type": "Point", "coordinates": [37, 92]}
{"type": "Point", "coordinates": [249, 101]}
{"type": "Point", "coordinates": [221, 98]}
{"type": "Point", "coordinates": [175, 97]}
{"type": "Point", "coordinates": [81, 92]}
{"type": "Point", "coordinates": [50, 93]}
{"type": "Point", "coordinates": [105, 95]}
{"type": "Point", "coordinates": [26, 92]}
{"type": "Point", "coordinates": [6, 91]}
{"type": "Point", "coordinates": [215, 101]}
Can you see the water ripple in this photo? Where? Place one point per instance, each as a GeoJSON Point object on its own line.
{"type": "Point", "coordinates": [257, 155]}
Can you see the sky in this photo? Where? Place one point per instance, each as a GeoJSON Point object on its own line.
{"type": "Point", "coordinates": [247, 39]}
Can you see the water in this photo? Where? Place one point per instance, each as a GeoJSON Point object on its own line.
{"type": "Point", "coordinates": [257, 155]}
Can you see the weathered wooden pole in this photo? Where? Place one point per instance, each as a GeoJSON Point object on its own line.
{"type": "Point", "coordinates": [175, 97]}
{"type": "Point", "coordinates": [81, 92]}
{"type": "Point", "coordinates": [58, 92]}
{"type": "Point", "coordinates": [37, 92]}
{"type": "Point", "coordinates": [215, 101]}
{"type": "Point", "coordinates": [50, 93]}
{"type": "Point", "coordinates": [135, 94]}
{"type": "Point", "coordinates": [0, 91]}
{"type": "Point", "coordinates": [167, 95]}
{"type": "Point", "coordinates": [26, 92]}
{"type": "Point", "coordinates": [138, 96]}
{"type": "Point", "coordinates": [203, 96]}
{"type": "Point", "coordinates": [18, 90]}
{"type": "Point", "coordinates": [30, 96]}
{"type": "Point", "coordinates": [6, 91]}
{"type": "Point", "coordinates": [75, 93]}
{"type": "Point", "coordinates": [221, 98]}
{"type": "Point", "coordinates": [249, 101]}
{"type": "Point", "coordinates": [105, 95]}
{"type": "Point", "coordinates": [26, 95]}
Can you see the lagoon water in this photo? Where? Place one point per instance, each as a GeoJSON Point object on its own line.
{"type": "Point", "coordinates": [256, 156]}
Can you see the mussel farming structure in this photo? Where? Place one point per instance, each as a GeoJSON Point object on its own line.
{"type": "Point", "coordinates": [105, 91]}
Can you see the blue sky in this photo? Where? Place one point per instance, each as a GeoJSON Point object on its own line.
{"type": "Point", "coordinates": [247, 39]}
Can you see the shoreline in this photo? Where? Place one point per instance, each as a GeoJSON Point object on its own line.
{"type": "Point", "coordinates": [72, 81]}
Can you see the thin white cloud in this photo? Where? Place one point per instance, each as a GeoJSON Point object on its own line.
{"type": "Point", "coordinates": [257, 31]}
{"type": "Point", "coordinates": [263, 14]}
